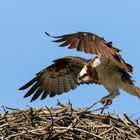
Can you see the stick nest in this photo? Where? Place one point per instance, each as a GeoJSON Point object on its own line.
{"type": "Point", "coordinates": [64, 122]}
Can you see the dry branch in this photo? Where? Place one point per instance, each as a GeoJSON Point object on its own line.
{"type": "Point", "coordinates": [66, 123]}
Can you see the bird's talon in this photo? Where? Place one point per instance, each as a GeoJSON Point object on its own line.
{"type": "Point", "coordinates": [106, 100]}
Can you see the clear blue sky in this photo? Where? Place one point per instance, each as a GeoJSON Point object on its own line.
{"type": "Point", "coordinates": [25, 49]}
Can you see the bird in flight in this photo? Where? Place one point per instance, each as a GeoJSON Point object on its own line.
{"type": "Point", "coordinates": [107, 68]}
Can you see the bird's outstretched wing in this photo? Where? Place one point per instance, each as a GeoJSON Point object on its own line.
{"type": "Point", "coordinates": [92, 44]}
{"type": "Point", "coordinates": [56, 79]}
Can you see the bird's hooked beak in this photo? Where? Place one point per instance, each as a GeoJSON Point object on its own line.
{"type": "Point", "coordinates": [79, 80]}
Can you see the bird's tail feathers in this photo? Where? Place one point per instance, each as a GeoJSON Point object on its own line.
{"type": "Point", "coordinates": [131, 88]}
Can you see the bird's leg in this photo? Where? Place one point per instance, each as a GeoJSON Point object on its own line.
{"type": "Point", "coordinates": [108, 99]}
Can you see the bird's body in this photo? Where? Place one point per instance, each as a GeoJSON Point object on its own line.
{"type": "Point", "coordinates": [103, 71]}
{"type": "Point", "coordinates": [107, 69]}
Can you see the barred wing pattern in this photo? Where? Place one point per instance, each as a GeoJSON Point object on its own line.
{"type": "Point", "coordinates": [92, 44]}
{"type": "Point", "coordinates": [56, 79]}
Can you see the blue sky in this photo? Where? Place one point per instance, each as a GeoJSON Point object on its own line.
{"type": "Point", "coordinates": [25, 49]}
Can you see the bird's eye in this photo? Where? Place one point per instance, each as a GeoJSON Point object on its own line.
{"type": "Point", "coordinates": [83, 76]}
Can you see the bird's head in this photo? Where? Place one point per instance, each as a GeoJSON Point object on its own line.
{"type": "Point", "coordinates": [89, 74]}
{"type": "Point", "coordinates": [85, 75]}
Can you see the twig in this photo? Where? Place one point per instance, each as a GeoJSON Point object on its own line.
{"type": "Point", "coordinates": [132, 122]}
{"type": "Point", "coordinates": [51, 118]}
{"type": "Point", "coordinates": [104, 107]}
{"type": "Point", "coordinates": [128, 126]}
{"type": "Point", "coordinates": [80, 130]}
{"type": "Point", "coordinates": [110, 129]}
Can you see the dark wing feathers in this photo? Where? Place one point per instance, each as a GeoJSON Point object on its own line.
{"type": "Point", "coordinates": [76, 40]}
{"type": "Point", "coordinates": [93, 44]}
{"type": "Point", "coordinates": [44, 95]}
{"type": "Point", "coordinates": [56, 79]}
{"type": "Point", "coordinates": [37, 93]}
{"type": "Point", "coordinates": [28, 84]}
{"type": "Point", "coordinates": [32, 90]}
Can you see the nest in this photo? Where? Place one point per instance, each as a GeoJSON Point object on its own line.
{"type": "Point", "coordinates": [63, 122]}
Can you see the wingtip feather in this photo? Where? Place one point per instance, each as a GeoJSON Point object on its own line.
{"type": "Point", "coordinates": [27, 84]}
{"type": "Point", "coordinates": [47, 34]}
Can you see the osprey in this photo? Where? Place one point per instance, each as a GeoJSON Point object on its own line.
{"type": "Point", "coordinates": [65, 74]}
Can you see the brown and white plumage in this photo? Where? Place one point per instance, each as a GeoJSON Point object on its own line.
{"type": "Point", "coordinates": [107, 68]}
{"type": "Point", "coordinates": [56, 79]}
{"type": "Point", "coordinates": [92, 44]}
{"type": "Point", "coordinates": [112, 77]}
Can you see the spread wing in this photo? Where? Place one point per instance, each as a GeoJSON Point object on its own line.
{"type": "Point", "coordinates": [92, 44]}
{"type": "Point", "coordinates": [56, 79]}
